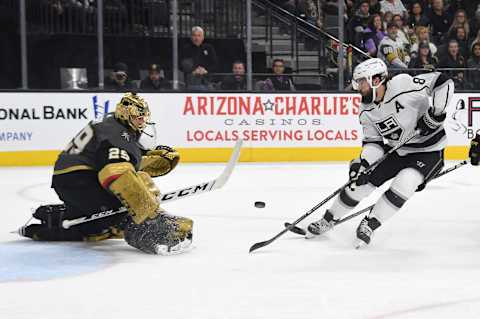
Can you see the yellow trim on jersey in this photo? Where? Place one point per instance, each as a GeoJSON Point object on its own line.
{"type": "Point", "coordinates": [248, 154]}
{"type": "Point", "coordinates": [73, 169]}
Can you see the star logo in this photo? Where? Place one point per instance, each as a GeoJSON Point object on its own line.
{"type": "Point", "coordinates": [126, 136]}
{"type": "Point", "coordinates": [269, 105]}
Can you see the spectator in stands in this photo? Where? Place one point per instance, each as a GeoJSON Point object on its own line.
{"type": "Point", "coordinates": [237, 81]}
{"type": "Point", "coordinates": [279, 81]}
{"type": "Point", "coordinates": [460, 34]}
{"type": "Point", "coordinates": [453, 59]}
{"type": "Point", "coordinates": [391, 50]}
{"type": "Point", "coordinates": [155, 79]}
{"type": "Point", "coordinates": [387, 18]}
{"type": "Point", "coordinates": [359, 23]}
{"type": "Point", "coordinates": [118, 79]}
{"type": "Point", "coordinates": [474, 62]}
{"type": "Point", "coordinates": [198, 60]}
{"type": "Point", "coordinates": [373, 35]}
{"type": "Point", "coordinates": [475, 22]}
{"type": "Point", "coordinates": [440, 20]}
{"type": "Point", "coordinates": [374, 7]}
{"type": "Point", "coordinates": [402, 34]}
{"type": "Point", "coordinates": [424, 58]}
{"type": "Point", "coordinates": [422, 35]}
{"type": "Point", "coordinates": [475, 40]}
{"type": "Point", "coordinates": [395, 7]}
{"type": "Point", "coordinates": [417, 17]}
{"type": "Point", "coordinates": [460, 20]}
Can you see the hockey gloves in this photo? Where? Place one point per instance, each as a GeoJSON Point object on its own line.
{"type": "Point", "coordinates": [429, 122]}
{"type": "Point", "coordinates": [160, 161]}
{"type": "Point", "coordinates": [357, 167]}
{"type": "Point", "coordinates": [474, 152]}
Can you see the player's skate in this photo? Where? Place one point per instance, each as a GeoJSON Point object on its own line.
{"type": "Point", "coordinates": [365, 231]}
{"type": "Point", "coordinates": [321, 226]}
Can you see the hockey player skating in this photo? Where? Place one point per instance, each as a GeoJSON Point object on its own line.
{"type": "Point", "coordinates": [392, 110]}
{"type": "Point", "coordinates": [105, 168]}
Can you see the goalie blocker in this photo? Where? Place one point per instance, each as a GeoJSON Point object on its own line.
{"type": "Point", "coordinates": [105, 168]}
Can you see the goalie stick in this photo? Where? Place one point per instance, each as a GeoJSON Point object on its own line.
{"type": "Point", "coordinates": [303, 232]}
{"type": "Point", "coordinates": [368, 170]}
{"type": "Point", "coordinates": [181, 193]}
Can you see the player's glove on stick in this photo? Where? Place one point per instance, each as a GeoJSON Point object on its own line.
{"type": "Point", "coordinates": [357, 166]}
{"type": "Point", "coordinates": [474, 152]}
{"type": "Point", "coordinates": [160, 161]}
{"type": "Point", "coordinates": [429, 122]}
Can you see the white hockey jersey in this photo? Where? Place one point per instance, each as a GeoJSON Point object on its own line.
{"type": "Point", "coordinates": [392, 120]}
{"type": "Point", "coordinates": [389, 50]}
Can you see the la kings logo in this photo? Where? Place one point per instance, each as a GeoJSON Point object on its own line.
{"type": "Point", "coordinates": [390, 128]}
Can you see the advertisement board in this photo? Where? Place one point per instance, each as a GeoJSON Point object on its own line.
{"type": "Point", "coordinates": [34, 127]}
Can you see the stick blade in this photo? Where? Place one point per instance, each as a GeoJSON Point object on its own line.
{"type": "Point", "coordinates": [259, 245]}
{"type": "Point", "coordinates": [295, 229]}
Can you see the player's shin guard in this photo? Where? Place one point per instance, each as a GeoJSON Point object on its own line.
{"type": "Point", "coordinates": [349, 198]}
{"type": "Point", "coordinates": [402, 188]}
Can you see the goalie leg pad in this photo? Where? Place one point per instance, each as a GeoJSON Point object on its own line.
{"type": "Point", "coordinates": [165, 234]}
{"type": "Point", "coordinates": [137, 197]}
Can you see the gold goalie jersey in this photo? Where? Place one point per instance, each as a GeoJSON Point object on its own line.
{"type": "Point", "coordinates": [406, 99]}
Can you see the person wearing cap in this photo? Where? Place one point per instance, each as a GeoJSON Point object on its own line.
{"type": "Point", "coordinates": [391, 50]}
{"type": "Point", "coordinates": [423, 59]}
{"type": "Point", "coordinates": [154, 80]}
{"type": "Point", "coordinates": [198, 60]}
{"type": "Point", "coordinates": [118, 79]}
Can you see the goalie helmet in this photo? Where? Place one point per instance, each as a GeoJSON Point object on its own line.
{"type": "Point", "coordinates": [367, 70]}
{"type": "Point", "coordinates": [133, 111]}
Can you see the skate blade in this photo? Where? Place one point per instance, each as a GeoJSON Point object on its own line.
{"type": "Point", "coordinates": [309, 235]}
{"type": "Point", "coordinates": [359, 244]}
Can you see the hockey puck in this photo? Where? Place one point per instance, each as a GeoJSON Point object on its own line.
{"type": "Point", "coordinates": [260, 204]}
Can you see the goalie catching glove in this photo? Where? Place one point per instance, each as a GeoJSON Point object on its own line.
{"type": "Point", "coordinates": [160, 161]}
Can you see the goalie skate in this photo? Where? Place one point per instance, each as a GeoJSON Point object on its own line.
{"type": "Point", "coordinates": [182, 247]}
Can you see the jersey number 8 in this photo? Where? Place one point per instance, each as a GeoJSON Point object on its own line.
{"type": "Point", "coordinates": [418, 81]}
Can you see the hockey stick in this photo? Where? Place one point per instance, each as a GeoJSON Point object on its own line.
{"type": "Point", "coordinates": [368, 170]}
{"type": "Point", "coordinates": [176, 194]}
{"type": "Point", "coordinates": [303, 232]}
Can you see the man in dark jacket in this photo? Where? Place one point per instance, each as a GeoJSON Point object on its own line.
{"type": "Point", "coordinates": [237, 81]}
{"type": "Point", "coordinates": [154, 80]}
{"type": "Point", "coordinates": [199, 59]}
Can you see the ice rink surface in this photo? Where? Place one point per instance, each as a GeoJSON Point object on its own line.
{"type": "Point", "coordinates": [424, 263]}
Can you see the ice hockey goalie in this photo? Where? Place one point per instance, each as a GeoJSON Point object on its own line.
{"type": "Point", "coordinates": [105, 167]}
